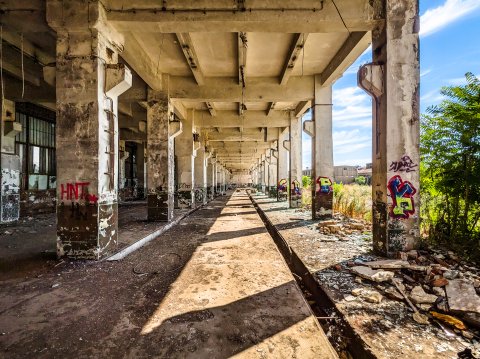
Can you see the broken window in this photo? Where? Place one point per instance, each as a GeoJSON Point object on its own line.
{"type": "Point", "coordinates": [35, 146]}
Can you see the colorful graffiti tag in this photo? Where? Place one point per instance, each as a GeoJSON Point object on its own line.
{"type": "Point", "coordinates": [77, 191]}
{"type": "Point", "coordinates": [406, 164]}
{"type": "Point", "coordinates": [324, 185]}
{"type": "Point", "coordinates": [282, 185]}
{"type": "Point", "coordinates": [402, 195]}
{"type": "Point", "coordinates": [296, 188]}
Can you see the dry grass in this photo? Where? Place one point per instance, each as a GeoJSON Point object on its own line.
{"type": "Point", "coordinates": [353, 200]}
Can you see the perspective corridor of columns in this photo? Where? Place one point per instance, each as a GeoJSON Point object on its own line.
{"type": "Point", "coordinates": [176, 104]}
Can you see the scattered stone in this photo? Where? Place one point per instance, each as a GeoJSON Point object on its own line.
{"type": "Point", "coordinates": [468, 335]}
{"type": "Point", "coordinates": [418, 296]}
{"type": "Point", "coordinates": [8, 232]}
{"type": "Point", "coordinates": [462, 296]}
{"type": "Point", "coordinates": [373, 275]}
{"type": "Point", "coordinates": [451, 274]}
{"type": "Point", "coordinates": [438, 291]}
{"type": "Point", "coordinates": [439, 282]}
{"type": "Point", "coordinates": [420, 318]}
{"type": "Point", "coordinates": [56, 285]}
{"type": "Point", "coordinates": [413, 254]}
{"type": "Point", "coordinates": [334, 228]}
{"type": "Point", "coordinates": [357, 291]}
{"type": "Point", "coordinates": [371, 296]}
{"type": "Point", "coordinates": [350, 298]}
{"type": "Point", "coordinates": [358, 280]}
{"type": "Point", "coordinates": [388, 264]}
{"type": "Point", "coordinates": [392, 293]}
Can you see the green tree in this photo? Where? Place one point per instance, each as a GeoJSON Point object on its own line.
{"type": "Point", "coordinates": [361, 180]}
{"type": "Point", "coordinates": [450, 168]}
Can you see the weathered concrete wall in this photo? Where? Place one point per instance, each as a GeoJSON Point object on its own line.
{"type": "Point", "coordinates": [396, 198]}
{"type": "Point", "coordinates": [324, 172]}
{"type": "Point", "coordinates": [282, 168]}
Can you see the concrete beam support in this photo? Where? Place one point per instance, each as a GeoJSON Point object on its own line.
{"type": "Point", "coordinates": [89, 81]}
{"type": "Point", "coordinates": [396, 197]}
{"type": "Point", "coordinates": [184, 193]}
{"type": "Point", "coordinates": [295, 178]}
{"type": "Point", "coordinates": [200, 174]}
{"type": "Point", "coordinates": [160, 158]}
{"type": "Point", "coordinates": [322, 204]}
{"type": "Point", "coordinates": [272, 174]}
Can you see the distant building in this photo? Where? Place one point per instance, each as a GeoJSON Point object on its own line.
{"type": "Point", "coordinates": [307, 172]}
{"type": "Point", "coordinates": [345, 174]}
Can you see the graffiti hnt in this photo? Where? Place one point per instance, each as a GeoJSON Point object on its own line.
{"type": "Point", "coordinates": [325, 185]}
{"type": "Point", "coordinates": [77, 191]}
{"type": "Point", "coordinates": [402, 195]}
{"type": "Point", "coordinates": [404, 165]}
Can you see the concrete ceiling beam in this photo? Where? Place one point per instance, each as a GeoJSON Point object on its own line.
{"type": "Point", "coordinates": [229, 135]}
{"type": "Point", "coordinates": [251, 119]}
{"type": "Point", "coordinates": [224, 89]}
{"type": "Point", "coordinates": [15, 39]}
{"type": "Point", "coordinates": [224, 16]}
{"type": "Point", "coordinates": [139, 60]}
{"type": "Point", "coordinates": [270, 108]}
{"type": "Point", "coordinates": [352, 48]}
{"type": "Point", "coordinates": [302, 107]}
{"type": "Point", "coordinates": [296, 48]}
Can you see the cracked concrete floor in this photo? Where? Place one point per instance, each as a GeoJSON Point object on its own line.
{"type": "Point", "coordinates": [214, 286]}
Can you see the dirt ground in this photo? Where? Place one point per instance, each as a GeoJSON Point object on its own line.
{"type": "Point", "coordinates": [213, 286]}
{"type": "Point", "coordinates": [386, 328]}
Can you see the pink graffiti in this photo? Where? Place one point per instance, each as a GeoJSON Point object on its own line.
{"type": "Point", "coordinates": [402, 193]}
{"type": "Point", "coordinates": [77, 191]}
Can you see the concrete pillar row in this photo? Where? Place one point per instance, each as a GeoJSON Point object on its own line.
{"type": "Point", "coordinates": [200, 170]}
{"type": "Point", "coordinates": [392, 79]}
{"type": "Point", "coordinates": [322, 202]}
{"type": "Point", "coordinates": [161, 132]}
{"type": "Point", "coordinates": [89, 81]}
{"type": "Point", "coordinates": [295, 179]}
{"type": "Point", "coordinates": [184, 191]}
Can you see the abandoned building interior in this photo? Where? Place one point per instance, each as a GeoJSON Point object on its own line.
{"type": "Point", "coordinates": [163, 106]}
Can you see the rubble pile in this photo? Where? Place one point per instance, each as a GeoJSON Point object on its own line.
{"type": "Point", "coordinates": [439, 288]}
{"type": "Point", "coordinates": [343, 227]}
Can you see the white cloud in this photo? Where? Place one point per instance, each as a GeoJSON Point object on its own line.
{"type": "Point", "coordinates": [425, 72]}
{"type": "Point", "coordinates": [354, 161]}
{"type": "Point", "coordinates": [437, 18]}
{"type": "Point", "coordinates": [459, 80]}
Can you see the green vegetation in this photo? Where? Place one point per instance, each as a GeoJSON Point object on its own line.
{"type": "Point", "coordinates": [306, 181]}
{"type": "Point", "coordinates": [450, 168]}
{"type": "Point", "coordinates": [361, 180]}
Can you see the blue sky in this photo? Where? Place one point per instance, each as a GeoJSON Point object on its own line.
{"type": "Point", "coordinates": [449, 47]}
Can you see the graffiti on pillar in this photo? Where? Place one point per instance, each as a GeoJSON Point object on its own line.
{"type": "Point", "coordinates": [402, 193]}
{"type": "Point", "coordinates": [296, 188]}
{"type": "Point", "coordinates": [282, 185]}
{"type": "Point", "coordinates": [184, 186]}
{"type": "Point", "coordinates": [76, 191]}
{"type": "Point", "coordinates": [405, 164]}
{"type": "Point", "coordinates": [324, 185]}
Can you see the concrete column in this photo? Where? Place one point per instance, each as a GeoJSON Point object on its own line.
{"type": "Point", "coordinates": [264, 180]}
{"type": "Point", "coordinates": [141, 171]}
{"type": "Point", "coordinates": [282, 167]}
{"type": "Point", "coordinates": [210, 176]}
{"type": "Point", "coordinates": [224, 181]}
{"type": "Point", "coordinates": [200, 180]}
{"type": "Point", "coordinates": [272, 174]}
{"type": "Point", "coordinates": [160, 157]}
{"type": "Point", "coordinates": [185, 194]}
{"type": "Point", "coordinates": [122, 157]}
{"type": "Point", "coordinates": [89, 81]}
{"type": "Point", "coordinates": [295, 161]}
{"type": "Point", "coordinates": [393, 81]}
{"type": "Point", "coordinates": [323, 151]}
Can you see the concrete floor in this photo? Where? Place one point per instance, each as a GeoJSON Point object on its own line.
{"type": "Point", "coordinates": [29, 246]}
{"type": "Point", "coordinates": [214, 286]}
